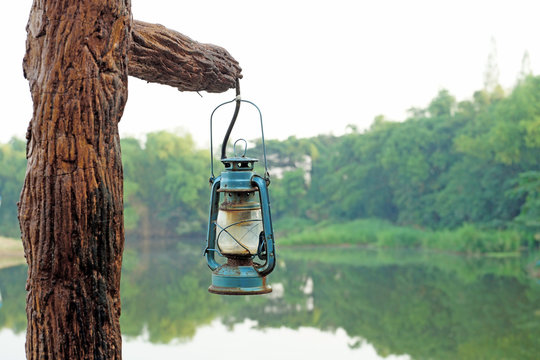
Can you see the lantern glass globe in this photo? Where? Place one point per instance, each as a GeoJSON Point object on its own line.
{"type": "Point", "coordinates": [238, 231]}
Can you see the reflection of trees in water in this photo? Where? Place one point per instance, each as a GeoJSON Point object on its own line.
{"type": "Point", "coordinates": [459, 309]}
{"type": "Point", "coordinates": [424, 311]}
{"type": "Point", "coordinates": [169, 298]}
{"type": "Point", "coordinates": [12, 286]}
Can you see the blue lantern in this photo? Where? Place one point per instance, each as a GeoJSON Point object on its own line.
{"type": "Point", "coordinates": [239, 224]}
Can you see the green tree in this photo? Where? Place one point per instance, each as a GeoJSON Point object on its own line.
{"type": "Point", "coordinates": [166, 185]}
{"type": "Point", "coordinates": [529, 187]}
{"type": "Point", "coordinates": [442, 105]}
{"type": "Point", "coordinates": [491, 73]}
{"type": "Point", "coordinates": [12, 170]}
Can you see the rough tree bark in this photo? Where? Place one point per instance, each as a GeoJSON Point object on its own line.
{"type": "Point", "coordinates": [161, 55]}
{"type": "Point", "coordinates": [71, 210]}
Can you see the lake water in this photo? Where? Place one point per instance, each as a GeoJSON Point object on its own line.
{"type": "Point", "coordinates": [342, 303]}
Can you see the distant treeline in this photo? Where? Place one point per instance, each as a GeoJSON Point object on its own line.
{"type": "Point", "coordinates": [452, 164]}
{"type": "Point", "coordinates": [476, 162]}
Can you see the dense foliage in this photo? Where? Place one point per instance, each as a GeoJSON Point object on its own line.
{"type": "Point", "coordinates": [12, 169]}
{"type": "Point", "coordinates": [449, 166]}
{"type": "Point", "coordinates": [165, 186]}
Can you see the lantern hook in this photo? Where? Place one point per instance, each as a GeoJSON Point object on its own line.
{"type": "Point", "coordinates": [245, 148]}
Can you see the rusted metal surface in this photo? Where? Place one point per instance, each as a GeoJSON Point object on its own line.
{"type": "Point", "coordinates": [237, 291]}
{"type": "Point", "coordinates": [238, 277]}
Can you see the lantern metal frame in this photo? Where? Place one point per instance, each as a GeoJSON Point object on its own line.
{"type": "Point", "coordinates": [240, 275]}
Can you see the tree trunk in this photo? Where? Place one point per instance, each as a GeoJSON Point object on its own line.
{"type": "Point", "coordinates": [71, 208]}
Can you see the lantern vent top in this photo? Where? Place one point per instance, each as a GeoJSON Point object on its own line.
{"type": "Point", "coordinates": [239, 162]}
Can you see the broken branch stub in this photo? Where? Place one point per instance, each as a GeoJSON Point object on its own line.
{"type": "Point", "coordinates": [164, 56]}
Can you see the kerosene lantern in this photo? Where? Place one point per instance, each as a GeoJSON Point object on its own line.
{"type": "Point", "coordinates": [239, 224]}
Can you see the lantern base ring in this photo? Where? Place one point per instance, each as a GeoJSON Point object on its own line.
{"type": "Point", "coordinates": [234, 279]}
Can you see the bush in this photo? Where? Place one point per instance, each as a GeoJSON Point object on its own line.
{"type": "Point", "coordinates": [468, 239]}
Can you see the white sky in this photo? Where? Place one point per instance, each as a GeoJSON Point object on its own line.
{"type": "Point", "coordinates": [311, 66]}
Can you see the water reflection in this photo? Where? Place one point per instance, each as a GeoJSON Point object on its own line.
{"type": "Point", "coordinates": [227, 343]}
{"type": "Point", "coordinates": [422, 304]}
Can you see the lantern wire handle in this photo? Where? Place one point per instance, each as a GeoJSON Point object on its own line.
{"type": "Point", "coordinates": [212, 178]}
{"type": "Point", "coordinates": [266, 174]}
{"type": "Point", "coordinates": [229, 130]}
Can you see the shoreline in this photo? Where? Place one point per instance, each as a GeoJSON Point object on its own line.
{"type": "Point", "coordinates": [469, 239]}
{"type": "Point", "coordinates": [11, 252]}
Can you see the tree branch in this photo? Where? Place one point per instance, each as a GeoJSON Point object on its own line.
{"type": "Point", "coordinates": [164, 56]}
